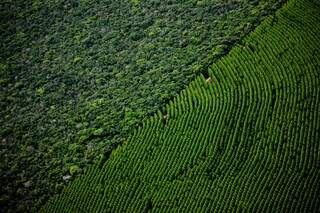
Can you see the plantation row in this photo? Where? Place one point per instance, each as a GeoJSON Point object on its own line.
{"type": "Point", "coordinates": [245, 138]}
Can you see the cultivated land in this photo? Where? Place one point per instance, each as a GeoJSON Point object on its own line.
{"type": "Point", "coordinates": [76, 77]}
{"type": "Point", "coordinates": [245, 137]}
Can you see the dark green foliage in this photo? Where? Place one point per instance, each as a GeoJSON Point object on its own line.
{"type": "Point", "coordinates": [245, 141]}
{"type": "Point", "coordinates": [77, 76]}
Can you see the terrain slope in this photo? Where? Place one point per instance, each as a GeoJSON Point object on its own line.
{"type": "Point", "coordinates": [243, 137]}
{"type": "Point", "coordinates": [76, 77]}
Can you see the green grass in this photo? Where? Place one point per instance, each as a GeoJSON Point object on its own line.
{"type": "Point", "coordinates": [245, 139]}
{"type": "Point", "coordinates": [76, 77]}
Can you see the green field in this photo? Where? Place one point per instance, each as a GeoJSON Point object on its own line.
{"type": "Point", "coordinates": [243, 138]}
{"type": "Point", "coordinates": [77, 77]}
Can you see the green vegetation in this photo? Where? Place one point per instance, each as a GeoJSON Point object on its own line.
{"type": "Point", "coordinates": [244, 139]}
{"type": "Point", "coordinates": [77, 76]}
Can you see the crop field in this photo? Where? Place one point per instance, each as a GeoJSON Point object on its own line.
{"type": "Point", "coordinates": [77, 77]}
{"type": "Point", "coordinates": [243, 137]}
